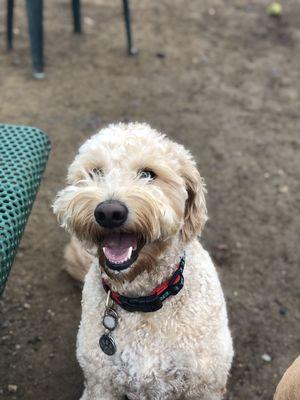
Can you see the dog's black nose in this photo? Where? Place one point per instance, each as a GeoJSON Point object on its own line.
{"type": "Point", "coordinates": [111, 213]}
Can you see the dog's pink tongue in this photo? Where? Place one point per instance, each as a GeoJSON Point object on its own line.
{"type": "Point", "coordinates": [118, 247]}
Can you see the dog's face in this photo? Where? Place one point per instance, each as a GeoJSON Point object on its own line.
{"type": "Point", "coordinates": [130, 192]}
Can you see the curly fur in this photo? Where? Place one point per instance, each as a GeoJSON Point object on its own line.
{"type": "Point", "coordinates": [184, 350]}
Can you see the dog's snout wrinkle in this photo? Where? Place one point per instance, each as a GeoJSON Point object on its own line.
{"type": "Point", "coordinates": [111, 214]}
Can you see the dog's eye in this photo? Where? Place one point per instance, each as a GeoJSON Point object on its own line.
{"type": "Point", "coordinates": [147, 174]}
{"type": "Point", "coordinates": [95, 171]}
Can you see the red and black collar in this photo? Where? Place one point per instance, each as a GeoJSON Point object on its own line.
{"type": "Point", "coordinates": [154, 301]}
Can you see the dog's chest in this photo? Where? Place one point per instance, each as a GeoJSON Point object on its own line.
{"type": "Point", "coordinates": [147, 358]}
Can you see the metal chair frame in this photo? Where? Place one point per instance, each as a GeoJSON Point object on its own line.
{"type": "Point", "coordinates": [34, 9]}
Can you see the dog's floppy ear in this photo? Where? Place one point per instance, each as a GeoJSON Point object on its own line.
{"type": "Point", "coordinates": [195, 207]}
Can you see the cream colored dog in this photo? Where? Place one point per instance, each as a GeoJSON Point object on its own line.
{"type": "Point", "coordinates": [135, 201]}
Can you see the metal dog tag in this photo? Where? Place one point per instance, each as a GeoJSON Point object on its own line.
{"type": "Point", "coordinates": [110, 319]}
{"type": "Point", "coordinates": [107, 344]}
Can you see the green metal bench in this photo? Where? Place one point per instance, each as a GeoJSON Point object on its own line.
{"type": "Point", "coordinates": [23, 157]}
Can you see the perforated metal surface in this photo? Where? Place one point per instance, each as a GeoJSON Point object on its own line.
{"type": "Point", "coordinates": [23, 157]}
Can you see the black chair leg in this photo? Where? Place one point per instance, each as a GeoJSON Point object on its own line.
{"type": "Point", "coordinates": [126, 9]}
{"type": "Point", "coordinates": [35, 28]}
{"type": "Point", "coordinates": [9, 24]}
{"type": "Point", "coordinates": [76, 16]}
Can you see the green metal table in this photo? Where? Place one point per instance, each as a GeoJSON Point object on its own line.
{"type": "Point", "coordinates": [23, 156]}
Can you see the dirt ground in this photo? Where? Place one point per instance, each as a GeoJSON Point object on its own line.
{"type": "Point", "coordinates": [221, 77]}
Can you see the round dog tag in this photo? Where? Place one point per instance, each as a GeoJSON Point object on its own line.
{"type": "Point", "coordinates": [107, 344]}
{"type": "Point", "coordinates": [110, 319]}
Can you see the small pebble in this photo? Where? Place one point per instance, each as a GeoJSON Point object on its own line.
{"type": "Point", "coordinates": [266, 357]}
{"type": "Point", "coordinates": [35, 340]}
{"type": "Point", "coordinates": [12, 388]}
{"type": "Point", "coordinates": [222, 246]}
{"type": "Point", "coordinates": [283, 272]}
{"type": "Point", "coordinates": [89, 21]}
{"type": "Point", "coordinates": [283, 311]}
{"type": "Point", "coordinates": [26, 306]}
{"type": "Point", "coordinates": [284, 189]}
{"type": "Point", "coordinates": [50, 312]}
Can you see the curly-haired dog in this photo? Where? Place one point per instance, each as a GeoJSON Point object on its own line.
{"type": "Point", "coordinates": [135, 200]}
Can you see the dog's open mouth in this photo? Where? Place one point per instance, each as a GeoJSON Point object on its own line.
{"type": "Point", "coordinates": [120, 250]}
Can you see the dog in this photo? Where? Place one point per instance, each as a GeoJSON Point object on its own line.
{"type": "Point", "coordinates": [154, 322]}
{"type": "Point", "coordinates": [289, 385]}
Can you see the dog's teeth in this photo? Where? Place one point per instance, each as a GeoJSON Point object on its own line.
{"type": "Point", "coordinates": [129, 253]}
